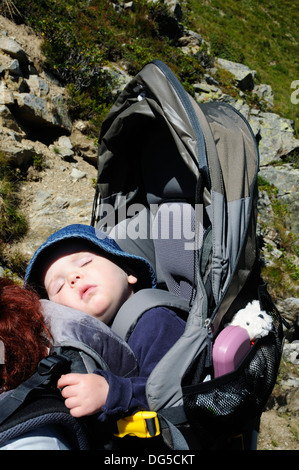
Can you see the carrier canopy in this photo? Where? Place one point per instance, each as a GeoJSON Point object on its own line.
{"type": "Point", "coordinates": [159, 149]}
{"type": "Point", "coordinates": [157, 146]}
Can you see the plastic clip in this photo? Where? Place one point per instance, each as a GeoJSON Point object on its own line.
{"type": "Point", "coordinates": [142, 424]}
{"type": "Point", "coordinates": [54, 365]}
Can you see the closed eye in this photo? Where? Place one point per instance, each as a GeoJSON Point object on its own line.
{"type": "Point", "coordinates": [85, 261]}
{"type": "Point", "coordinates": [54, 289]}
{"type": "Point", "coordinates": [59, 288]}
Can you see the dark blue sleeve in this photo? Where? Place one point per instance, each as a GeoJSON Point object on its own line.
{"type": "Point", "coordinates": [155, 333]}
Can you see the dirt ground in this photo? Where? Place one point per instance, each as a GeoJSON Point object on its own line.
{"type": "Point", "coordinates": [278, 432]}
{"type": "Point", "coordinates": [26, 38]}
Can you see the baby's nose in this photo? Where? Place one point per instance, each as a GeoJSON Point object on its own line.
{"type": "Point", "coordinates": [73, 277]}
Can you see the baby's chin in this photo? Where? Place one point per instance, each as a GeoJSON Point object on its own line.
{"type": "Point", "coordinates": [103, 312]}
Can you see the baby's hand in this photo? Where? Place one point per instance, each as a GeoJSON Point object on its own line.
{"type": "Point", "coordinates": [84, 394]}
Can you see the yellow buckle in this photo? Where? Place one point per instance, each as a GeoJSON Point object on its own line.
{"type": "Point", "coordinates": [141, 424]}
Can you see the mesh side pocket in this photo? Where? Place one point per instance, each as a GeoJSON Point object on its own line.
{"type": "Point", "coordinates": [228, 403]}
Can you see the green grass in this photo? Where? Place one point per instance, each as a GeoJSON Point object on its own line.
{"type": "Point", "coordinates": [82, 36]}
{"type": "Point", "coordinates": [261, 34]}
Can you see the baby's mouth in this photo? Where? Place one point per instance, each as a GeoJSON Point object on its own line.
{"type": "Point", "coordinates": [85, 291]}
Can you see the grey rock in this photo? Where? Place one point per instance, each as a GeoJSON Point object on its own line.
{"type": "Point", "coordinates": [12, 48]}
{"type": "Point", "coordinates": [77, 174]}
{"type": "Point", "coordinates": [8, 120]}
{"type": "Point", "coordinates": [36, 110]}
{"type": "Point", "coordinates": [17, 153]}
{"type": "Point", "coordinates": [285, 178]}
{"type": "Point", "coordinates": [38, 86]}
{"type": "Point", "coordinates": [289, 309]}
{"type": "Point", "coordinates": [275, 134]}
{"type": "Point", "coordinates": [32, 108]}
{"type": "Point", "coordinates": [6, 95]}
{"type": "Point", "coordinates": [119, 77]}
{"type": "Point", "coordinates": [14, 68]}
{"type": "Point", "coordinates": [174, 7]}
{"type": "Point", "coordinates": [63, 147]}
{"type": "Point", "coordinates": [265, 92]}
{"type": "Point", "coordinates": [292, 400]}
{"type": "Point", "coordinates": [243, 75]}
{"type": "Point", "coordinates": [65, 153]}
{"type": "Point", "coordinates": [208, 92]}
{"type": "Point", "coordinates": [291, 354]}
{"type": "Point", "coordinates": [60, 114]}
{"type": "Point", "coordinates": [65, 142]}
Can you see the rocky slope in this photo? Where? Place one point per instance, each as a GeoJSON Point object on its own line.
{"type": "Point", "coordinates": [35, 126]}
{"type": "Point", "coordinates": [36, 132]}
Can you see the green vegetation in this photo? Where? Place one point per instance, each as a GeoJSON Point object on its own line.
{"type": "Point", "coordinates": [282, 275]}
{"type": "Point", "coordinates": [38, 162]}
{"type": "Point", "coordinates": [82, 37]}
{"type": "Point", "coordinates": [13, 224]}
{"type": "Point", "coordinates": [261, 34]}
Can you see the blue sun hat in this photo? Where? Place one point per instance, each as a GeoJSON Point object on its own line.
{"type": "Point", "coordinates": [104, 244]}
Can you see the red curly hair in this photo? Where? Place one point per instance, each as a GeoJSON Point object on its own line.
{"type": "Point", "coordinates": [24, 336]}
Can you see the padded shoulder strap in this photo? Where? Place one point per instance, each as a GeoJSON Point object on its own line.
{"type": "Point", "coordinates": [75, 329]}
{"type": "Point", "coordinates": [49, 370]}
{"type": "Point", "coordinates": [139, 303]}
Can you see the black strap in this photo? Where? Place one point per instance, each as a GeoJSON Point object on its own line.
{"type": "Point", "coordinates": [170, 418]}
{"type": "Point", "coordinates": [49, 369]}
{"type": "Point", "coordinates": [175, 414]}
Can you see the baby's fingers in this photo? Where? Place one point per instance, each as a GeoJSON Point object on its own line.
{"type": "Point", "coordinates": [68, 379]}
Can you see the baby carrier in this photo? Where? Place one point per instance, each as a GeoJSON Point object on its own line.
{"type": "Point", "coordinates": [81, 344]}
{"type": "Point", "coordinates": [177, 184]}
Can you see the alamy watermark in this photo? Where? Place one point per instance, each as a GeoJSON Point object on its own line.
{"type": "Point", "coordinates": [170, 221]}
{"type": "Point", "coordinates": [295, 94]}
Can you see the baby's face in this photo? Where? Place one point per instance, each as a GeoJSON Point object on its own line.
{"type": "Point", "coordinates": [88, 282]}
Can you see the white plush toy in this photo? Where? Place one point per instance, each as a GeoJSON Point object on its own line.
{"type": "Point", "coordinates": [257, 322]}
